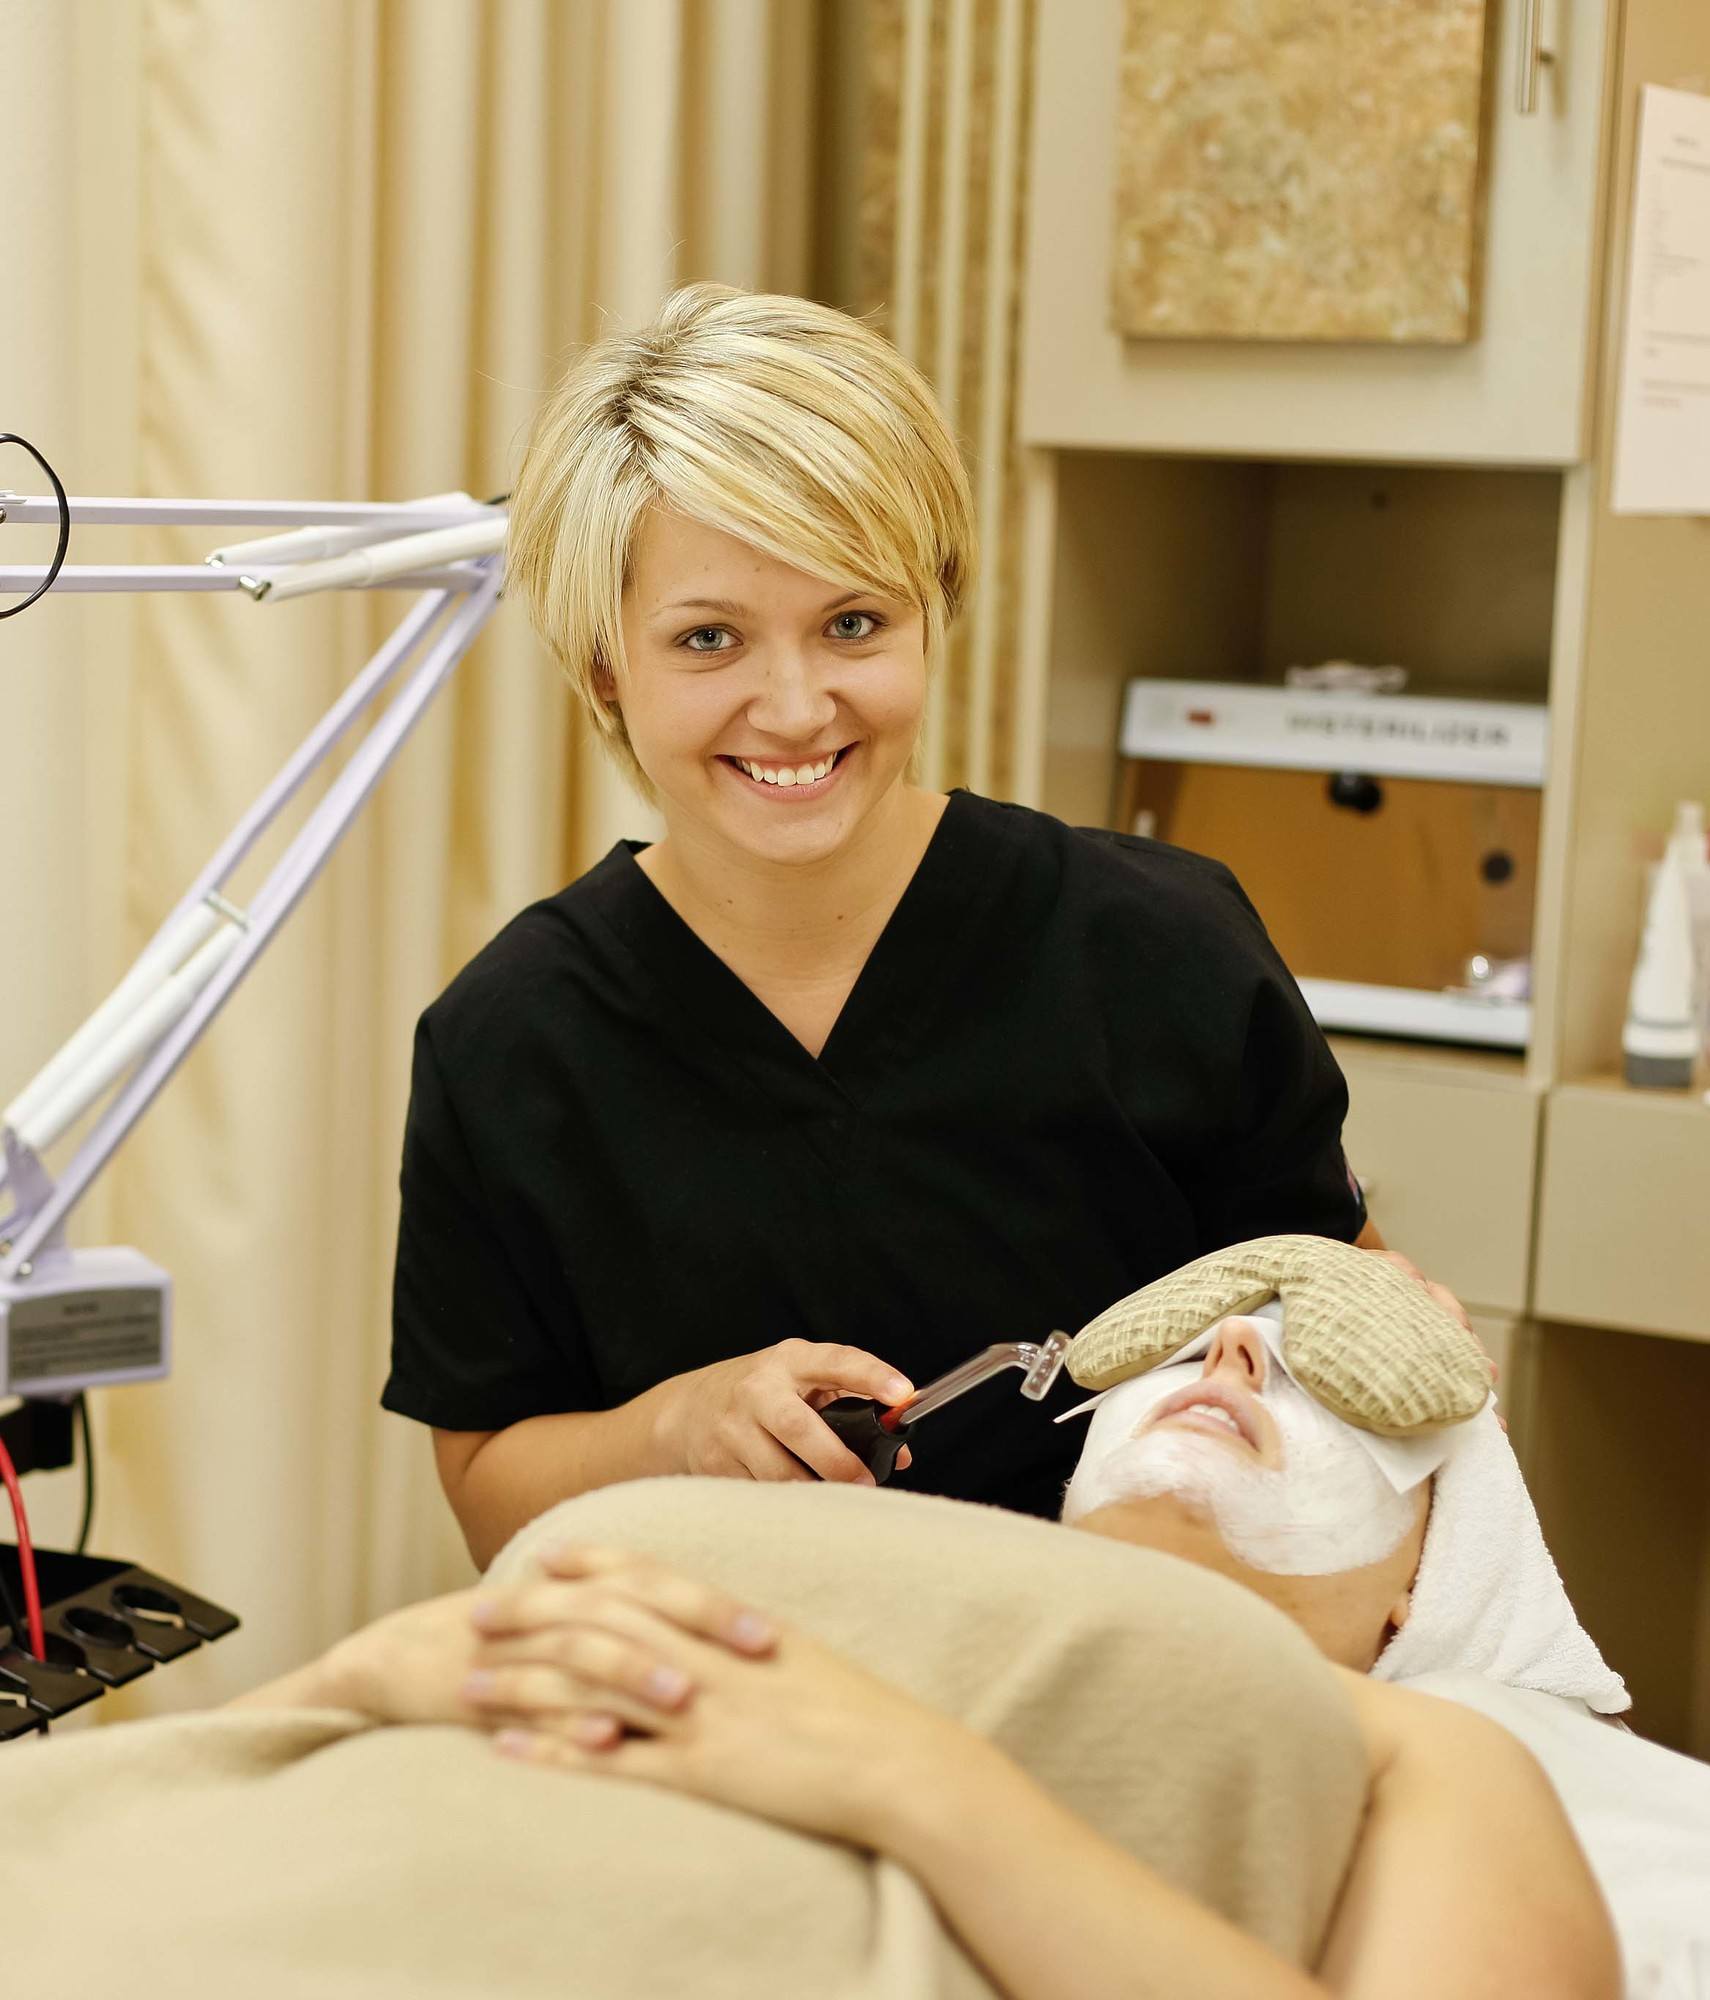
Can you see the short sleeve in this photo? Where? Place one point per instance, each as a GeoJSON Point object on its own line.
{"type": "Point", "coordinates": [1281, 1170]}
{"type": "Point", "coordinates": [472, 1348]}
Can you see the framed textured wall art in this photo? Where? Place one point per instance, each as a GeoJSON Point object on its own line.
{"type": "Point", "coordinates": [1299, 170]}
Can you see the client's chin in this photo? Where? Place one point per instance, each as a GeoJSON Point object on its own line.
{"type": "Point", "coordinates": [1349, 1614]}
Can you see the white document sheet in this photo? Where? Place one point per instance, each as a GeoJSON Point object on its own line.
{"type": "Point", "coordinates": [1662, 448]}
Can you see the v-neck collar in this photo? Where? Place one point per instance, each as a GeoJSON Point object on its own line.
{"type": "Point", "coordinates": [912, 958]}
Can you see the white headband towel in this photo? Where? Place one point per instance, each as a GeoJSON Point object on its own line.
{"type": "Point", "coordinates": [1488, 1599]}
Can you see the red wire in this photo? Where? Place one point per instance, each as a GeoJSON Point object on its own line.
{"type": "Point", "coordinates": [26, 1556]}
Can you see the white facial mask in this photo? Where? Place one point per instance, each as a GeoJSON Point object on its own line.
{"type": "Point", "coordinates": [1326, 1508]}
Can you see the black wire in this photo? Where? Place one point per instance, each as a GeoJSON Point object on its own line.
{"type": "Point", "coordinates": [20, 1631]}
{"type": "Point", "coordinates": [88, 1472]}
{"type": "Point", "coordinates": [58, 563]}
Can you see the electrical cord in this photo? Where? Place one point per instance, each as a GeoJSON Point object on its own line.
{"type": "Point", "coordinates": [26, 1555]}
{"type": "Point", "coordinates": [58, 563]}
{"type": "Point", "coordinates": [9, 1611]}
{"type": "Point", "coordinates": [88, 1472]}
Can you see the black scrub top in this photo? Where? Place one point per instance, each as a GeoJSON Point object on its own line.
{"type": "Point", "coordinates": [1072, 1062]}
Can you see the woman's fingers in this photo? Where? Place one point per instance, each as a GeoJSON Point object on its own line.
{"type": "Point", "coordinates": [618, 1655]}
{"type": "Point", "coordinates": [1441, 1293]}
{"type": "Point", "coordinates": [535, 1691]}
{"type": "Point", "coordinates": [850, 1371]}
{"type": "Point", "coordinates": [581, 1581]}
{"type": "Point", "coordinates": [591, 1743]}
{"type": "Point", "coordinates": [1450, 1304]}
{"type": "Point", "coordinates": [814, 1442]}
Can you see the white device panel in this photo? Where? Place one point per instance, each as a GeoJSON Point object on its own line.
{"type": "Point", "coordinates": [84, 1319]}
{"type": "Point", "coordinates": [1311, 729]}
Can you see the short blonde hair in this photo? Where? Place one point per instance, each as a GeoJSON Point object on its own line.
{"type": "Point", "coordinates": [778, 420]}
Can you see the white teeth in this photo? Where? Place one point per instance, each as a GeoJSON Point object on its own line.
{"type": "Point", "coordinates": [800, 774]}
{"type": "Point", "coordinates": [1212, 1410]}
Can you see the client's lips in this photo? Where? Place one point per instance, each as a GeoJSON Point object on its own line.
{"type": "Point", "coordinates": [1237, 1407]}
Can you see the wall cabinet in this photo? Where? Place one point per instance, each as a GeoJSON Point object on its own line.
{"type": "Point", "coordinates": [1514, 395]}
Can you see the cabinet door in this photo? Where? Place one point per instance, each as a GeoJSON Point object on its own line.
{"type": "Point", "coordinates": [1446, 1148]}
{"type": "Point", "coordinates": [1516, 394]}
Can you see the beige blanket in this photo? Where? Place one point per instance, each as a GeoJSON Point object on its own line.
{"type": "Point", "coordinates": [303, 1854]}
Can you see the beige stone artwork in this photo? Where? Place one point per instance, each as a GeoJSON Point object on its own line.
{"type": "Point", "coordinates": [1299, 170]}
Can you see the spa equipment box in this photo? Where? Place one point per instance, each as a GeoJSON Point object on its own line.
{"type": "Point", "coordinates": [1390, 842]}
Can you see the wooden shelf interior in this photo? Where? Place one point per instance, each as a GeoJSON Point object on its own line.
{"type": "Point", "coordinates": [1230, 569]}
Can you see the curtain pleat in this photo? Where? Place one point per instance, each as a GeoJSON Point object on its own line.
{"type": "Point", "coordinates": [942, 169]}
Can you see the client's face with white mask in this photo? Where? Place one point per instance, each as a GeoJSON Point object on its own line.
{"type": "Point", "coordinates": [1227, 1463]}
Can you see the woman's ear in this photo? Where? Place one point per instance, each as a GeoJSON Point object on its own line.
{"type": "Point", "coordinates": [605, 683]}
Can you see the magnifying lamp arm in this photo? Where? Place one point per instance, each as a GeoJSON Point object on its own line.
{"type": "Point", "coordinates": [41, 1221]}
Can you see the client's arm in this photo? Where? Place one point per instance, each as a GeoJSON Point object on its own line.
{"type": "Point", "coordinates": [1467, 1879]}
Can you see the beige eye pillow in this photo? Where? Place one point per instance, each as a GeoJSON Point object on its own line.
{"type": "Point", "coordinates": [1367, 1340]}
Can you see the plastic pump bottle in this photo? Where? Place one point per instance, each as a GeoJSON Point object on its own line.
{"type": "Point", "coordinates": [1660, 1041]}
{"type": "Point", "coordinates": [1688, 836]}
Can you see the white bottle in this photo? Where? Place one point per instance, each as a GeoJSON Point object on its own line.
{"type": "Point", "coordinates": [1688, 836]}
{"type": "Point", "coordinates": [1659, 1042]}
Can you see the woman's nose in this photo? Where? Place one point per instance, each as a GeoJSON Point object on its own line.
{"type": "Point", "coordinates": [792, 703]}
{"type": "Point", "coordinates": [1239, 1346]}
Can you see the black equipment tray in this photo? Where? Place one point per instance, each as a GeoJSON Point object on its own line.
{"type": "Point", "coordinates": [104, 1622]}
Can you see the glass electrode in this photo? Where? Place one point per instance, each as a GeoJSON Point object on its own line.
{"type": "Point", "coordinates": [1041, 1360]}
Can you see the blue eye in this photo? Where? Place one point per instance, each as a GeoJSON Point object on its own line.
{"type": "Point", "coordinates": [874, 623]}
{"type": "Point", "coordinates": [872, 618]}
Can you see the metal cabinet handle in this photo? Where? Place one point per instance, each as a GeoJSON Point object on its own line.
{"type": "Point", "coordinates": [1532, 53]}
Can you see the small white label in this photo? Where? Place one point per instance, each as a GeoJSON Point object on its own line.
{"type": "Point", "coordinates": [71, 1335]}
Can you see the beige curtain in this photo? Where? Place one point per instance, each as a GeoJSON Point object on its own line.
{"type": "Point", "coordinates": [331, 248]}
{"type": "Point", "coordinates": [939, 238]}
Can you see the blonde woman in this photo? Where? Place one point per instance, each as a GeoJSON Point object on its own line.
{"type": "Point", "coordinates": [841, 1079]}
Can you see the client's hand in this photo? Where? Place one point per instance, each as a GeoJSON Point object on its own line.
{"type": "Point", "coordinates": [406, 1667]}
{"type": "Point", "coordinates": [419, 1664]}
{"type": "Point", "coordinates": [597, 1670]}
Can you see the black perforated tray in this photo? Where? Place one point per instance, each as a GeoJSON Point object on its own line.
{"type": "Point", "coordinates": [105, 1622]}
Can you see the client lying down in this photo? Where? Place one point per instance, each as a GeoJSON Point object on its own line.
{"type": "Point", "coordinates": [982, 1756]}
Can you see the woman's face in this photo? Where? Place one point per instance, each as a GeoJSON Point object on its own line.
{"type": "Point", "coordinates": [774, 713]}
{"type": "Point", "coordinates": [1228, 1464]}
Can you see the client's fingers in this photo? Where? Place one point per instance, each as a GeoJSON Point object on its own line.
{"type": "Point", "coordinates": [588, 1745]}
{"type": "Point", "coordinates": [576, 1745]}
{"type": "Point", "coordinates": [594, 1657]}
{"type": "Point", "coordinates": [688, 1603]}
{"type": "Point", "coordinates": [541, 1694]}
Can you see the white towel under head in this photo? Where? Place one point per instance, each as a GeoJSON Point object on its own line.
{"type": "Point", "coordinates": [1488, 1599]}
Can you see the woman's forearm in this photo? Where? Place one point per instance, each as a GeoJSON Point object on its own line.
{"type": "Point", "coordinates": [517, 1473]}
{"type": "Point", "coordinates": [1052, 1909]}
{"type": "Point", "coordinates": [320, 1684]}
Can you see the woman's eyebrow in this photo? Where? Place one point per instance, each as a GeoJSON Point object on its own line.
{"type": "Point", "coordinates": [736, 610]}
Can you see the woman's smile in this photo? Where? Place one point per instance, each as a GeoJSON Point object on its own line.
{"type": "Point", "coordinates": [790, 783]}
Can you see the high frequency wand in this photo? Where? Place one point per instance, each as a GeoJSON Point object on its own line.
{"type": "Point", "coordinates": [876, 1436]}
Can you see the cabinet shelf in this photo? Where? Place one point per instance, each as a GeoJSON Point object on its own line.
{"type": "Point", "coordinates": [1623, 1235]}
